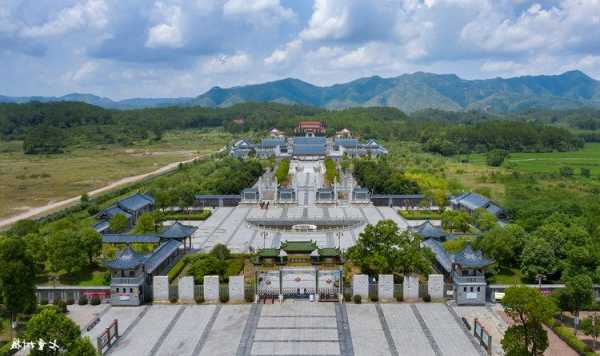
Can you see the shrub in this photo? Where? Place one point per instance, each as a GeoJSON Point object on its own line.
{"type": "Point", "coordinates": [347, 297]}
{"type": "Point", "coordinates": [173, 299]}
{"type": "Point", "coordinates": [60, 305]}
{"type": "Point", "coordinates": [70, 301]}
{"type": "Point", "coordinates": [44, 302]}
{"type": "Point", "coordinates": [249, 297]}
{"type": "Point", "coordinates": [427, 298]}
{"type": "Point", "coordinates": [176, 270]}
{"type": "Point", "coordinates": [224, 298]}
{"type": "Point", "coordinates": [83, 300]}
{"type": "Point", "coordinates": [567, 336]}
{"type": "Point", "coordinates": [399, 297]}
{"type": "Point", "coordinates": [374, 298]}
{"type": "Point", "coordinates": [199, 299]}
{"type": "Point", "coordinates": [95, 300]}
{"type": "Point", "coordinates": [357, 299]}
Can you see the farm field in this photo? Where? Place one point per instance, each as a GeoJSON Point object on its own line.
{"type": "Point", "coordinates": [551, 162]}
{"type": "Point", "coordinates": [36, 180]}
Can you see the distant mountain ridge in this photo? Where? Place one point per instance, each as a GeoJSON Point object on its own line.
{"type": "Point", "coordinates": [407, 92]}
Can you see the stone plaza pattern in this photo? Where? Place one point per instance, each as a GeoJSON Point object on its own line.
{"type": "Point", "coordinates": [292, 328]}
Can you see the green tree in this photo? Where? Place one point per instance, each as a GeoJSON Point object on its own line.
{"type": "Point", "coordinates": [529, 309]}
{"type": "Point", "coordinates": [17, 276]}
{"type": "Point", "coordinates": [65, 252]}
{"type": "Point", "coordinates": [205, 265]}
{"type": "Point", "coordinates": [23, 227]}
{"type": "Point", "coordinates": [537, 258]}
{"type": "Point", "coordinates": [591, 327]}
{"type": "Point", "coordinates": [119, 223]}
{"type": "Point", "coordinates": [381, 248]}
{"type": "Point", "coordinates": [455, 220]}
{"type": "Point", "coordinates": [145, 223]}
{"type": "Point", "coordinates": [483, 219]}
{"type": "Point", "coordinates": [82, 347]}
{"type": "Point", "coordinates": [503, 244]}
{"type": "Point", "coordinates": [496, 157]}
{"type": "Point", "coordinates": [579, 293]}
{"type": "Point", "coordinates": [44, 139]}
{"type": "Point", "coordinates": [50, 325]}
{"type": "Point", "coordinates": [221, 252]}
{"type": "Point", "coordinates": [36, 248]}
{"type": "Point", "coordinates": [91, 242]}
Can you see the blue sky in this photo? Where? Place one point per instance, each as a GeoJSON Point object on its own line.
{"type": "Point", "coordinates": [167, 48]}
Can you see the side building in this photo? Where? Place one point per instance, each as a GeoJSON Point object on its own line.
{"type": "Point", "coordinates": [131, 207]}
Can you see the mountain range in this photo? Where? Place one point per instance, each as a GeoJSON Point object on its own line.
{"type": "Point", "coordinates": [408, 92]}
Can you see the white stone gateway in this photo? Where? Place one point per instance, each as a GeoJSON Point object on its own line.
{"type": "Point", "coordinates": [410, 288]}
{"type": "Point", "coordinates": [236, 288]}
{"type": "Point", "coordinates": [435, 286]}
{"type": "Point", "coordinates": [211, 288]}
{"type": "Point", "coordinates": [385, 288]}
{"type": "Point", "coordinates": [160, 288]}
{"type": "Point", "coordinates": [360, 286]}
{"type": "Point", "coordinates": [186, 289]}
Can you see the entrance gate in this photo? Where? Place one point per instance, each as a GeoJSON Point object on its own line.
{"type": "Point", "coordinates": [300, 283]}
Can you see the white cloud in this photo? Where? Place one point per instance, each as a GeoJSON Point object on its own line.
{"type": "Point", "coordinates": [84, 73]}
{"type": "Point", "coordinates": [226, 63]}
{"type": "Point", "coordinates": [259, 12]}
{"type": "Point", "coordinates": [286, 54]}
{"type": "Point", "coordinates": [167, 33]}
{"type": "Point", "coordinates": [92, 13]}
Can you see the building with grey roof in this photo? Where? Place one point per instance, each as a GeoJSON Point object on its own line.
{"type": "Point", "coordinates": [130, 207]}
{"type": "Point", "coordinates": [472, 201]}
{"type": "Point", "coordinates": [131, 272]}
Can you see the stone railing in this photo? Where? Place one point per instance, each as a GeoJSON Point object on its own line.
{"type": "Point", "coordinates": [468, 279]}
{"type": "Point", "coordinates": [127, 280]}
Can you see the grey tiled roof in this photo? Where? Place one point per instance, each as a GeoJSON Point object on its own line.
{"type": "Point", "coordinates": [441, 255]}
{"type": "Point", "coordinates": [178, 231]}
{"type": "Point", "coordinates": [136, 202]}
{"type": "Point", "coordinates": [127, 259]}
{"type": "Point", "coordinates": [471, 258]}
{"type": "Point", "coordinates": [271, 142]}
{"type": "Point", "coordinates": [309, 150]}
{"type": "Point", "coordinates": [305, 140]}
{"type": "Point", "coordinates": [347, 142]}
{"type": "Point", "coordinates": [129, 239]}
{"type": "Point", "coordinates": [161, 253]}
{"type": "Point", "coordinates": [114, 210]}
{"type": "Point", "coordinates": [427, 230]}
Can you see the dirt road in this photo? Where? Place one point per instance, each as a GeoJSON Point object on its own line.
{"type": "Point", "coordinates": [48, 208]}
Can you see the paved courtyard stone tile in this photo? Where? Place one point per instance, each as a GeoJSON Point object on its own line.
{"type": "Point", "coordinates": [447, 333]}
{"type": "Point", "coordinates": [146, 333]}
{"type": "Point", "coordinates": [368, 338]}
{"type": "Point", "coordinates": [187, 331]}
{"type": "Point", "coordinates": [224, 338]}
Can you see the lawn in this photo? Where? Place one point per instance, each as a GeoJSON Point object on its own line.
{"type": "Point", "coordinates": [86, 278]}
{"type": "Point", "coordinates": [36, 180]}
{"type": "Point", "coordinates": [508, 276]}
{"type": "Point", "coordinates": [551, 162]}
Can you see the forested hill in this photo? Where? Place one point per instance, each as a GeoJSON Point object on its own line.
{"type": "Point", "coordinates": [52, 127]}
{"type": "Point", "coordinates": [409, 93]}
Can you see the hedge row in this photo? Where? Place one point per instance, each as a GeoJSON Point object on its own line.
{"type": "Point", "coordinates": [569, 337]}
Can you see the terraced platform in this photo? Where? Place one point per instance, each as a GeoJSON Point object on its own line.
{"type": "Point", "coordinates": [292, 328]}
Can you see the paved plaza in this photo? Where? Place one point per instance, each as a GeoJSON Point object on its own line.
{"type": "Point", "coordinates": [292, 328]}
{"type": "Point", "coordinates": [229, 225]}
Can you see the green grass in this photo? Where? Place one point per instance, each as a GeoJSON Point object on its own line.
{"type": "Point", "coordinates": [551, 162]}
{"type": "Point", "coordinates": [420, 214]}
{"type": "Point", "coordinates": [508, 276]}
{"type": "Point", "coordinates": [457, 244]}
{"type": "Point", "coordinates": [36, 180]}
{"type": "Point", "coordinates": [85, 278]}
